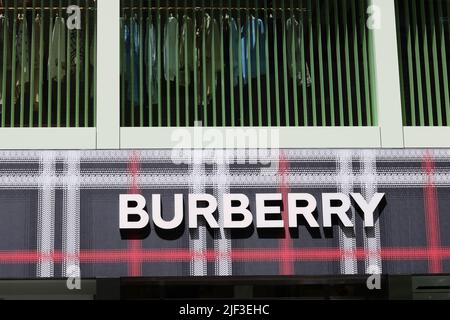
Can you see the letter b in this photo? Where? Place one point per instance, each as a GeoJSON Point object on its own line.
{"type": "Point", "coordinates": [138, 210]}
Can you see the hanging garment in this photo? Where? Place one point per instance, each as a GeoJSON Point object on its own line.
{"type": "Point", "coordinates": [213, 57]}
{"type": "Point", "coordinates": [294, 32]}
{"type": "Point", "coordinates": [22, 53]}
{"type": "Point", "coordinates": [22, 57]}
{"type": "Point", "coordinates": [253, 29]}
{"type": "Point", "coordinates": [170, 48]}
{"type": "Point", "coordinates": [209, 62]}
{"type": "Point", "coordinates": [234, 35]}
{"type": "Point", "coordinates": [151, 62]}
{"type": "Point", "coordinates": [187, 47]}
{"type": "Point", "coordinates": [57, 56]}
{"type": "Point", "coordinates": [5, 65]}
{"type": "Point", "coordinates": [76, 59]}
{"type": "Point", "coordinates": [36, 62]}
{"type": "Point", "coordinates": [132, 45]}
{"type": "Point", "coordinates": [93, 61]}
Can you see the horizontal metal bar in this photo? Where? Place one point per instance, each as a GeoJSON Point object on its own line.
{"type": "Point", "coordinates": [244, 9]}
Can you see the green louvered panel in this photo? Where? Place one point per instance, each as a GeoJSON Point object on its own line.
{"type": "Point", "coordinates": [246, 63]}
{"type": "Point", "coordinates": [423, 29]}
{"type": "Point", "coordinates": [47, 69]}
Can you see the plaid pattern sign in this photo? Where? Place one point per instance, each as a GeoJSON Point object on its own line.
{"type": "Point", "coordinates": [59, 213]}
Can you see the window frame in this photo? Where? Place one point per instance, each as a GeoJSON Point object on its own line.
{"type": "Point", "coordinates": [108, 134]}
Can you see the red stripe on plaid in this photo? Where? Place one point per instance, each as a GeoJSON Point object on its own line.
{"type": "Point", "coordinates": [238, 255]}
{"type": "Point", "coordinates": [431, 215]}
{"type": "Point", "coordinates": [134, 246]}
{"type": "Point", "coordinates": [286, 265]}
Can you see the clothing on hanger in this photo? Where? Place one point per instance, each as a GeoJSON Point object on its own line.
{"type": "Point", "coordinates": [170, 48]}
{"type": "Point", "coordinates": [212, 42]}
{"type": "Point", "coordinates": [5, 65]}
{"type": "Point", "coordinates": [93, 60]}
{"type": "Point", "coordinates": [73, 50]}
{"type": "Point", "coordinates": [235, 38]}
{"type": "Point", "coordinates": [35, 64]}
{"type": "Point", "coordinates": [294, 31]}
{"type": "Point", "coordinates": [187, 45]}
{"type": "Point", "coordinates": [57, 56]}
{"type": "Point", "coordinates": [151, 61]}
{"type": "Point", "coordinates": [22, 56]}
{"type": "Point", "coordinates": [249, 33]}
{"type": "Point", "coordinates": [132, 45]}
{"type": "Point", "coordinates": [22, 52]}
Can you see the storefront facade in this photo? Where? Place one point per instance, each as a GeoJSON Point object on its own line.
{"type": "Point", "coordinates": [248, 98]}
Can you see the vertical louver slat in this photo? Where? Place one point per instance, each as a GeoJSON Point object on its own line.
{"type": "Point", "coordinates": [303, 67]}
{"type": "Point", "coordinates": [248, 59]}
{"type": "Point", "coordinates": [348, 75]}
{"type": "Point", "coordinates": [356, 58]}
{"type": "Point", "coordinates": [330, 63]}
{"type": "Point", "coordinates": [294, 62]}
{"type": "Point", "coordinates": [141, 65]}
{"type": "Point", "coordinates": [212, 83]}
{"type": "Point", "coordinates": [222, 66]}
{"type": "Point", "coordinates": [338, 62]}
{"type": "Point", "coordinates": [77, 77]}
{"type": "Point", "coordinates": [435, 63]}
{"type": "Point", "coordinates": [87, 53]}
{"type": "Point", "coordinates": [312, 35]}
{"type": "Point", "coordinates": [321, 64]}
{"type": "Point", "coordinates": [123, 65]}
{"type": "Point", "coordinates": [372, 118]}
{"type": "Point", "coordinates": [32, 66]}
{"type": "Point", "coordinates": [4, 65]}
{"type": "Point", "coordinates": [401, 67]}
{"type": "Point", "coordinates": [426, 59]}
{"type": "Point", "coordinates": [286, 101]}
{"type": "Point", "coordinates": [366, 68]}
{"type": "Point", "coordinates": [268, 87]}
{"type": "Point", "coordinates": [195, 64]}
{"type": "Point", "coordinates": [259, 58]}
{"type": "Point", "coordinates": [49, 76]}
{"type": "Point", "coordinates": [443, 36]}
{"type": "Point", "coordinates": [240, 68]}
{"type": "Point", "coordinates": [59, 52]}
{"type": "Point", "coordinates": [13, 75]}
{"type": "Point", "coordinates": [276, 65]}
{"type": "Point", "coordinates": [68, 81]}
{"type": "Point", "coordinates": [23, 67]}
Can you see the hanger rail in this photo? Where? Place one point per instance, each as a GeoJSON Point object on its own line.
{"type": "Point", "coordinates": [42, 8]}
{"type": "Point", "coordinates": [213, 8]}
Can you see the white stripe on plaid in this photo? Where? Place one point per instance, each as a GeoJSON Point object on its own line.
{"type": "Point", "coordinates": [46, 216]}
{"type": "Point", "coordinates": [222, 243]}
{"type": "Point", "coordinates": [372, 241]}
{"type": "Point", "coordinates": [71, 217]}
{"type": "Point", "coordinates": [198, 244]}
{"type": "Point", "coordinates": [347, 242]}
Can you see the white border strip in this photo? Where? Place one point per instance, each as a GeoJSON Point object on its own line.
{"type": "Point", "coordinates": [46, 217]}
{"type": "Point", "coordinates": [222, 244]}
{"type": "Point", "coordinates": [71, 218]}
{"type": "Point", "coordinates": [347, 243]}
{"type": "Point", "coordinates": [198, 266]}
{"type": "Point", "coordinates": [372, 242]}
